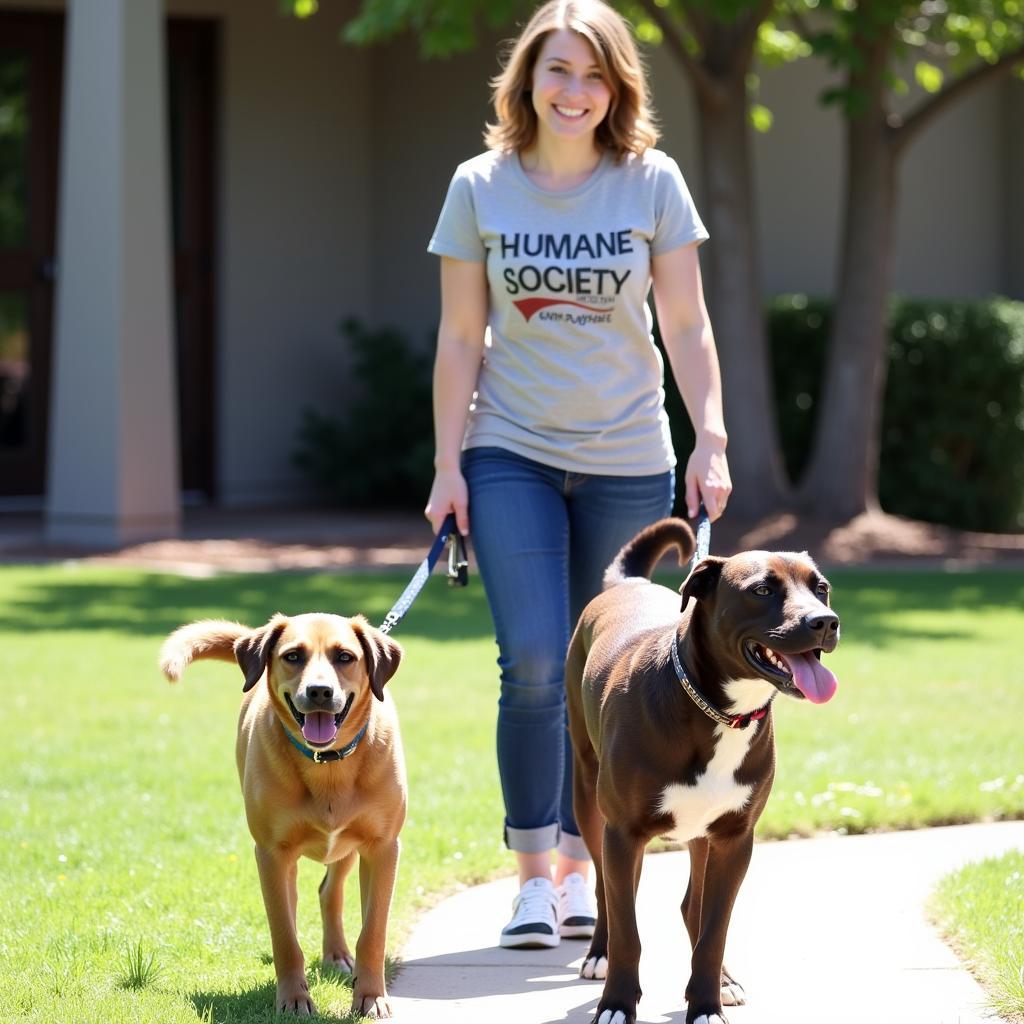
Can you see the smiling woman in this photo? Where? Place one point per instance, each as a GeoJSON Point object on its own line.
{"type": "Point", "coordinates": [553, 434]}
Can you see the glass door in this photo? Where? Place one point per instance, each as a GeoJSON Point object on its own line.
{"type": "Point", "coordinates": [30, 83]}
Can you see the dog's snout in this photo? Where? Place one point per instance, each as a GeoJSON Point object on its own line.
{"type": "Point", "coordinates": [823, 623]}
{"type": "Point", "coordinates": [320, 696]}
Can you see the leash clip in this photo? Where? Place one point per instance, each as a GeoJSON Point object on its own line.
{"type": "Point", "coordinates": [458, 563]}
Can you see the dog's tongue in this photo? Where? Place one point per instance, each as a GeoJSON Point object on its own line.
{"type": "Point", "coordinates": [812, 679]}
{"type": "Point", "coordinates": [319, 727]}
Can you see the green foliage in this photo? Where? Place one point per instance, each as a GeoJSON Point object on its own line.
{"type": "Point", "coordinates": [940, 42]}
{"type": "Point", "coordinates": [379, 451]}
{"type": "Point", "coordinates": [953, 422]}
{"type": "Point", "coordinates": [981, 909]}
{"type": "Point", "coordinates": [139, 969]}
{"type": "Point", "coordinates": [952, 441]}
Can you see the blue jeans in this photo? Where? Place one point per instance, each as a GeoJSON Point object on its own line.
{"type": "Point", "coordinates": [543, 538]}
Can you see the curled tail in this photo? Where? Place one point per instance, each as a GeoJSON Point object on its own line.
{"type": "Point", "coordinates": [644, 551]}
{"type": "Point", "coordinates": [209, 638]}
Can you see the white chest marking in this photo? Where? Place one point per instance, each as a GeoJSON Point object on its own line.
{"type": "Point", "coordinates": [715, 791]}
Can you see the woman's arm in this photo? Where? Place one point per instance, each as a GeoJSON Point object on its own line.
{"type": "Point", "coordinates": [690, 344]}
{"type": "Point", "coordinates": [460, 346]}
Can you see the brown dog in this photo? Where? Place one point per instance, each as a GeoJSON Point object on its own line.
{"type": "Point", "coordinates": [671, 724]}
{"type": "Point", "coordinates": [323, 776]}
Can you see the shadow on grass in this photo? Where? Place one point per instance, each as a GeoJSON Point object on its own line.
{"type": "Point", "coordinates": [151, 604]}
{"type": "Point", "coordinates": [256, 1005]}
{"type": "Point", "coordinates": [872, 604]}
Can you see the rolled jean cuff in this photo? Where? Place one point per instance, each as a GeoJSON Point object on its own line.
{"type": "Point", "coordinates": [532, 840]}
{"type": "Point", "coordinates": [573, 846]}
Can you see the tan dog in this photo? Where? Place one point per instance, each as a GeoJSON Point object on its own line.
{"type": "Point", "coordinates": [323, 776]}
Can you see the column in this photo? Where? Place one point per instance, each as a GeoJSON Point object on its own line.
{"type": "Point", "coordinates": [113, 462]}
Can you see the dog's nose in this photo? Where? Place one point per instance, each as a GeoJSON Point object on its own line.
{"type": "Point", "coordinates": [823, 623]}
{"type": "Point", "coordinates": [319, 695]}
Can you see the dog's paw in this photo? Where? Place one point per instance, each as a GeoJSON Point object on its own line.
{"type": "Point", "coordinates": [711, 1018]}
{"type": "Point", "coordinates": [594, 968]}
{"type": "Point", "coordinates": [341, 963]}
{"type": "Point", "coordinates": [374, 1007]}
{"type": "Point", "coordinates": [732, 992]}
{"type": "Point", "coordinates": [613, 1017]}
{"type": "Point", "coordinates": [293, 998]}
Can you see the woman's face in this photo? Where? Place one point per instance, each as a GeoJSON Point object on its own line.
{"type": "Point", "coordinates": [570, 95]}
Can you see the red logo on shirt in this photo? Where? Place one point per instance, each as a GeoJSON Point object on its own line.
{"type": "Point", "coordinates": [530, 306]}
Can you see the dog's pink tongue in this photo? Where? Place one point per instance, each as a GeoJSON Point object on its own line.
{"type": "Point", "coordinates": [319, 727]}
{"type": "Point", "coordinates": [812, 679]}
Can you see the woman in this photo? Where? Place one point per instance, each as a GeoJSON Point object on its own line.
{"type": "Point", "coordinates": [552, 443]}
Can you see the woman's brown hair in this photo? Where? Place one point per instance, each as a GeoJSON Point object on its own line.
{"type": "Point", "coordinates": [629, 125]}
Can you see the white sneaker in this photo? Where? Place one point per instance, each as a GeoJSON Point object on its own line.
{"type": "Point", "coordinates": [577, 911]}
{"type": "Point", "coordinates": [534, 917]}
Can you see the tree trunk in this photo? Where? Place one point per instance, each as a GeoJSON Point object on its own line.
{"type": "Point", "coordinates": [735, 304]}
{"type": "Point", "coordinates": [841, 480]}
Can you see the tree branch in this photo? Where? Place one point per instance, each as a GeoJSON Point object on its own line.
{"type": "Point", "coordinates": [748, 28]}
{"type": "Point", "coordinates": [702, 81]}
{"type": "Point", "coordinates": [905, 130]}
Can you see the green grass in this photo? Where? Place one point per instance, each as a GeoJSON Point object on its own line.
{"type": "Point", "coordinates": [123, 823]}
{"type": "Point", "coordinates": [980, 908]}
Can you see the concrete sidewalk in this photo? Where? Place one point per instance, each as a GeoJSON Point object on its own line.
{"type": "Point", "coordinates": [829, 929]}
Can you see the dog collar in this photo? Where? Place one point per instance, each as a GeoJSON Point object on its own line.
{"type": "Point", "coordinates": [322, 756]}
{"type": "Point", "coordinates": [730, 721]}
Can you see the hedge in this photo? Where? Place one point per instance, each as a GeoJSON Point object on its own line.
{"type": "Point", "coordinates": [952, 444]}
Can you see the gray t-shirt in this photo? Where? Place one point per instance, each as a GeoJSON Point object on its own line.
{"type": "Point", "coordinates": [571, 377]}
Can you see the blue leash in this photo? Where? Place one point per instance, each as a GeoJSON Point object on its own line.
{"type": "Point", "coordinates": [458, 571]}
{"type": "Point", "coordinates": [703, 537]}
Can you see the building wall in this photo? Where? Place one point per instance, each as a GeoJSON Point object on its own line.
{"type": "Point", "coordinates": [334, 162]}
{"type": "Point", "coordinates": [1011, 132]}
{"type": "Point", "coordinates": [295, 217]}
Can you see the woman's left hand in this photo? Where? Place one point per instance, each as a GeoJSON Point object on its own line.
{"type": "Point", "coordinates": [707, 479]}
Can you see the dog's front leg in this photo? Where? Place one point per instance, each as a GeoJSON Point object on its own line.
{"type": "Point", "coordinates": [731, 990]}
{"type": "Point", "coordinates": [621, 858]}
{"type": "Point", "coordinates": [278, 870]}
{"type": "Point", "coordinates": [378, 866]}
{"type": "Point", "coordinates": [726, 867]}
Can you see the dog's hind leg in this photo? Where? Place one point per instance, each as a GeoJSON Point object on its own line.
{"type": "Point", "coordinates": [336, 955]}
{"type": "Point", "coordinates": [591, 825]}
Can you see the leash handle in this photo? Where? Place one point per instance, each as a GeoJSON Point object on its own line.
{"type": "Point", "coordinates": [458, 571]}
{"type": "Point", "coordinates": [703, 537]}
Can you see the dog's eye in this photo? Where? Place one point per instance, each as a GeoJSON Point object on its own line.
{"type": "Point", "coordinates": [824, 589]}
{"type": "Point", "coordinates": [292, 657]}
{"type": "Point", "coordinates": [344, 657]}
{"type": "Point", "coordinates": [763, 591]}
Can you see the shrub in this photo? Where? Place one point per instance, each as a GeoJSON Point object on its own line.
{"type": "Point", "coordinates": [380, 452]}
{"type": "Point", "coordinates": [952, 441]}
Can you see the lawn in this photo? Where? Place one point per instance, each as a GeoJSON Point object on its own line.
{"type": "Point", "coordinates": [127, 881]}
{"type": "Point", "coordinates": [981, 909]}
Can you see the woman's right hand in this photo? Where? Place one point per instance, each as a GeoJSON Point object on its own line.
{"type": "Point", "coordinates": [448, 494]}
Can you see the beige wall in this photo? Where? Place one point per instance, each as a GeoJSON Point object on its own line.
{"type": "Point", "coordinates": [295, 218]}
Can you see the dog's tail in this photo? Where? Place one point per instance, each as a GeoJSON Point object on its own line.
{"type": "Point", "coordinates": [209, 638]}
{"type": "Point", "coordinates": [644, 551]}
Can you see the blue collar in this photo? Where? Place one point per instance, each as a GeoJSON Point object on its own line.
{"type": "Point", "coordinates": [322, 756]}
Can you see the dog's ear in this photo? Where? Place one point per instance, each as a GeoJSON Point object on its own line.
{"type": "Point", "coordinates": [383, 655]}
{"type": "Point", "coordinates": [702, 581]}
{"type": "Point", "coordinates": [252, 652]}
